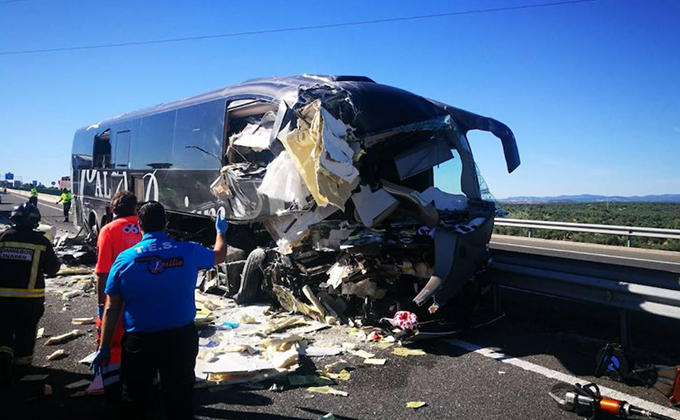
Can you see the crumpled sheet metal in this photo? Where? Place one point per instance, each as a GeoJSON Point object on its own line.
{"type": "Point", "coordinates": [322, 156]}
{"type": "Point", "coordinates": [290, 303]}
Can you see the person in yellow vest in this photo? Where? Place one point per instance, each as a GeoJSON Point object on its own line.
{"type": "Point", "coordinates": [26, 257]}
{"type": "Point", "coordinates": [33, 197]}
{"type": "Point", "coordinates": [65, 199]}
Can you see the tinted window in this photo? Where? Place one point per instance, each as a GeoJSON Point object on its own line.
{"type": "Point", "coordinates": [82, 150]}
{"type": "Point", "coordinates": [122, 153]}
{"type": "Point", "coordinates": [153, 147]}
{"type": "Point", "coordinates": [102, 150]}
{"type": "Point", "coordinates": [199, 126]}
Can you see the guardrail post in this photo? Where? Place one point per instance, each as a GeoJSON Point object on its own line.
{"type": "Point", "coordinates": [628, 241]}
{"type": "Point", "coordinates": [531, 231]}
{"type": "Point", "coordinates": [624, 323]}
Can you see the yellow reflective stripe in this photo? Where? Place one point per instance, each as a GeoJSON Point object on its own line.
{"type": "Point", "coordinates": [26, 360]}
{"type": "Point", "coordinates": [35, 269]}
{"type": "Point", "coordinates": [7, 350]}
{"type": "Point", "coordinates": [22, 293]}
{"type": "Point", "coordinates": [23, 245]}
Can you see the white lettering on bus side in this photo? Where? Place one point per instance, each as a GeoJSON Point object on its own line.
{"type": "Point", "coordinates": [123, 181]}
{"type": "Point", "coordinates": [152, 185]}
{"type": "Point", "coordinates": [105, 189]}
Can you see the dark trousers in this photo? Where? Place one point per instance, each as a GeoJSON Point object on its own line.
{"type": "Point", "coordinates": [172, 353]}
{"type": "Point", "coordinates": [67, 208]}
{"type": "Point", "coordinates": [33, 200]}
{"type": "Point", "coordinates": [19, 319]}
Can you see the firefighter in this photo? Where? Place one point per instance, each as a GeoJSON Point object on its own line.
{"type": "Point", "coordinates": [26, 257]}
{"type": "Point", "coordinates": [156, 280]}
{"type": "Point", "coordinates": [33, 196]}
{"type": "Point", "coordinates": [115, 237]}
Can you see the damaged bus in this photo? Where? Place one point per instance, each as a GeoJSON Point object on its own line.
{"type": "Point", "coordinates": [328, 182]}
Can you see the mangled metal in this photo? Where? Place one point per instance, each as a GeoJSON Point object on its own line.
{"type": "Point", "coordinates": [362, 228]}
{"type": "Point", "coordinates": [332, 176]}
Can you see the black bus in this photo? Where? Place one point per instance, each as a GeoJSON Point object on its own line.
{"type": "Point", "coordinates": [289, 160]}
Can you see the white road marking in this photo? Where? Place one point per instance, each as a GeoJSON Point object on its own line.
{"type": "Point", "coordinates": [553, 374]}
{"type": "Point", "coordinates": [586, 253]}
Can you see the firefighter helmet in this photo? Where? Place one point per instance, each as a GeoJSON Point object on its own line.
{"type": "Point", "coordinates": [25, 214]}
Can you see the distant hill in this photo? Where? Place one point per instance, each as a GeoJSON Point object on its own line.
{"type": "Point", "coordinates": [589, 198]}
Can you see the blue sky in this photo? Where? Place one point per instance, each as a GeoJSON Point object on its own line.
{"type": "Point", "coordinates": [591, 90]}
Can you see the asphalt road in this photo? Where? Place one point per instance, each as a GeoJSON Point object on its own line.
{"type": "Point", "coordinates": [50, 212]}
{"type": "Point", "coordinates": [503, 371]}
{"type": "Point", "coordinates": [454, 380]}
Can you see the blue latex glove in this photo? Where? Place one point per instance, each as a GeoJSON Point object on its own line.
{"type": "Point", "coordinates": [100, 311]}
{"type": "Point", "coordinates": [100, 359]}
{"type": "Point", "coordinates": [221, 224]}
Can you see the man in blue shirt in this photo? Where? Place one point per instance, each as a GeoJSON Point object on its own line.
{"type": "Point", "coordinates": [156, 280]}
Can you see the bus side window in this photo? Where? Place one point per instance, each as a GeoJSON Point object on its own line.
{"type": "Point", "coordinates": [121, 156]}
{"type": "Point", "coordinates": [102, 150]}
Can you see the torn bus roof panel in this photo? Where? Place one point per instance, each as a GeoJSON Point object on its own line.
{"type": "Point", "coordinates": [323, 158]}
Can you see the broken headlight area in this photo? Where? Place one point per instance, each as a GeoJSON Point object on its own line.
{"type": "Point", "coordinates": [342, 179]}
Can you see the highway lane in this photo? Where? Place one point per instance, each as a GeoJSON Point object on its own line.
{"type": "Point", "coordinates": [503, 371]}
{"type": "Point", "coordinates": [463, 378]}
{"type": "Point", "coordinates": [50, 212]}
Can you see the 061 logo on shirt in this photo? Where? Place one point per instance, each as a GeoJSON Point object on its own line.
{"type": "Point", "coordinates": [131, 228]}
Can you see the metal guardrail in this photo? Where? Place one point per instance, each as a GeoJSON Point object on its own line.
{"type": "Point", "coordinates": [628, 231]}
{"type": "Point", "coordinates": [619, 287]}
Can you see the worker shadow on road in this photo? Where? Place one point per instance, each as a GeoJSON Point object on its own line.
{"type": "Point", "coordinates": [210, 404]}
{"type": "Point", "coordinates": [49, 397]}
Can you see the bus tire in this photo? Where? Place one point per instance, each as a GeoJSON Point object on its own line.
{"type": "Point", "coordinates": [93, 230]}
{"type": "Point", "coordinates": [251, 277]}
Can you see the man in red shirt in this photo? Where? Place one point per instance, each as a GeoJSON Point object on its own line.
{"type": "Point", "coordinates": [120, 234]}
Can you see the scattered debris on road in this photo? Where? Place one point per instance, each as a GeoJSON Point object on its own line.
{"type": "Point", "coordinates": [83, 321]}
{"type": "Point", "coordinates": [60, 339]}
{"type": "Point", "coordinates": [59, 354]}
{"type": "Point", "coordinates": [415, 404]}
{"type": "Point", "coordinates": [327, 390]}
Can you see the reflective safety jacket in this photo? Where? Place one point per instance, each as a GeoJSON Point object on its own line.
{"type": "Point", "coordinates": [34, 192]}
{"type": "Point", "coordinates": [66, 197]}
{"type": "Point", "coordinates": [26, 257]}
